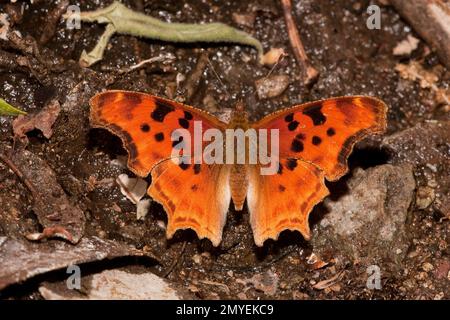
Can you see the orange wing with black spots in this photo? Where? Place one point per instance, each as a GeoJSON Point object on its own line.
{"type": "Point", "coordinates": [315, 141]}
{"type": "Point", "coordinates": [145, 124]}
{"type": "Point", "coordinates": [284, 200]}
{"type": "Point", "coordinates": [193, 195]}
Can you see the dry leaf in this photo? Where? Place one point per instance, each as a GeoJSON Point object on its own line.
{"type": "Point", "coordinates": [272, 56]}
{"type": "Point", "coordinates": [406, 47]}
{"type": "Point", "coordinates": [43, 121]}
{"type": "Point", "coordinates": [142, 208]}
{"type": "Point", "coordinates": [132, 188]}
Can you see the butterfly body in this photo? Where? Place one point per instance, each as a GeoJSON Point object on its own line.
{"type": "Point", "coordinates": [314, 142]}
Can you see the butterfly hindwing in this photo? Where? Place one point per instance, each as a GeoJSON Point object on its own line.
{"type": "Point", "coordinates": [283, 200]}
{"type": "Point", "coordinates": [195, 196]}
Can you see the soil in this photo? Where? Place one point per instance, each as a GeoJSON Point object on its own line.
{"type": "Point", "coordinates": [351, 59]}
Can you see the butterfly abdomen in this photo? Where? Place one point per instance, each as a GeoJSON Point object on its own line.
{"type": "Point", "coordinates": [238, 185]}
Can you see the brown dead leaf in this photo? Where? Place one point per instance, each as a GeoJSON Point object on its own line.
{"type": "Point", "coordinates": [43, 121]}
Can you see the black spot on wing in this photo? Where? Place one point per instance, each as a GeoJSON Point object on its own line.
{"type": "Point", "coordinates": [281, 188]}
{"type": "Point", "coordinates": [188, 115]}
{"type": "Point", "coordinates": [162, 109]}
{"type": "Point", "coordinates": [316, 140]}
{"type": "Point", "coordinates": [196, 168]}
{"type": "Point", "coordinates": [297, 145]}
{"type": "Point", "coordinates": [289, 117]}
{"type": "Point", "coordinates": [331, 132]}
{"type": "Point", "coordinates": [280, 168]}
{"type": "Point", "coordinates": [183, 123]}
{"type": "Point", "coordinates": [145, 127]}
{"type": "Point", "coordinates": [184, 166]}
{"type": "Point", "coordinates": [159, 136]}
{"type": "Point", "coordinates": [315, 113]}
{"type": "Point", "coordinates": [178, 143]}
{"type": "Point", "coordinates": [293, 125]}
{"type": "Point", "coordinates": [291, 164]}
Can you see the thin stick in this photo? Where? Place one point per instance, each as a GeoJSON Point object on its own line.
{"type": "Point", "coordinates": [175, 262]}
{"type": "Point", "coordinates": [19, 173]}
{"type": "Point", "coordinates": [310, 74]}
{"type": "Point", "coordinates": [218, 78]}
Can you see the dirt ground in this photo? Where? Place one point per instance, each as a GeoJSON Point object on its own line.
{"type": "Point", "coordinates": [351, 58]}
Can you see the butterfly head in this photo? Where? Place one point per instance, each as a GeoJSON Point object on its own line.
{"type": "Point", "coordinates": [239, 117]}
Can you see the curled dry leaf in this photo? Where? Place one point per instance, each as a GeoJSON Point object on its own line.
{"type": "Point", "coordinates": [272, 86]}
{"type": "Point", "coordinates": [272, 56]}
{"type": "Point", "coordinates": [415, 72]}
{"type": "Point", "coordinates": [142, 208]}
{"type": "Point", "coordinates": [406, 47]}
{"type": "Point", "coordinates": [43, 121]}
{"type": "Point", "coordinates": [132, 188]}
{"type": "Point", "coordinates": [4, 26]}
{"type": "Point", "coordinates": [321, 285]}
{"type": "Point", "coordinates": [316, 262]}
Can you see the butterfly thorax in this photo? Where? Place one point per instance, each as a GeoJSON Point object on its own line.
{"type": "Point", "coordinates": [239, 172]}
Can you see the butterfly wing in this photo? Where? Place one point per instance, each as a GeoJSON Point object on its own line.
{"type": "Point", "coordinates": [319, 136]}
{"type": "Point", "coordinates": [194, 196]}
{"type": "Point", "coordinates": [145, 123]}
{"type": "Point", "coordinates": [283, 200]}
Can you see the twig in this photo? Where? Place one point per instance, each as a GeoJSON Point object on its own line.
{"type": "Point", "coordinates": [175, 262]}
{"type": "Point", "coordinates": [310, 74]}
{"type": "Point", "coordinates": [18, 173]}
{"type": "Point", "coordinates": [194, 77]}
{"type": "Point", "coordinates": [217, 76]}
{"type": "Point", "coordinates": [144, 62]}
{"type": "Point", "coordinates": [276, 64]}
{"type": "Point", "coordinates": [52, 20]}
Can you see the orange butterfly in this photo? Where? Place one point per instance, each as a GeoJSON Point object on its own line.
{"type": "Point", "coordinates": [315, 140]}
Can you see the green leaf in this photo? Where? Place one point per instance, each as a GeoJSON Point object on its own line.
{"type": "Point", "coordinates": [8, 110]}
{"type": "Point", "coordinates": [120, 19]}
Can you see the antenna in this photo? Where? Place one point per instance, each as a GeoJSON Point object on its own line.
{"type": "Point", "coordinates": [218, 78]}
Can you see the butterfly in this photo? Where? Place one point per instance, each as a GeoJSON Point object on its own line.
{"type": "Point", "coordinates": [315, 140]}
